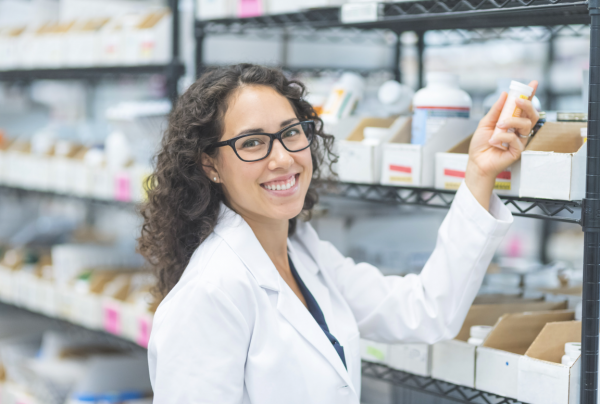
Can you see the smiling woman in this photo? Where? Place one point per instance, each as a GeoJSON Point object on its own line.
{"type": "Point", "coordinates": [256, 308]}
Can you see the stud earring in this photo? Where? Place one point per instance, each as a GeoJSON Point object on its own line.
{"type": "Point", "coordinates": [215, 179]}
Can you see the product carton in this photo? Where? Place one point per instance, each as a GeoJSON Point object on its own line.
{"type": "Point", "coordinates": [82, 43]}
{"type": "Point", "coordinates": [52, 45]}
{"type": "Point", "coordinates": [215, 9]}
{"type": "Point", "coordinates": [414, 165]}
{"type": "Point", "coordinates": [497, 365]}
{"type": "Point", "coordinates": [361, 162]}
{"type": "Point", "coordinates": [9, 47]}
{"type": "Point", "coordinates": [87, 309]}
{"type": "Point", "coordinates": [412, 358]}
{"type": "Point", "coordinates": [454, 360]}
{"type": "Point", "coordinates": [17, 163]}
{"type": "Point", "coordinates": [554, 164]}
{"type": "Point", "coordinates": [62, 170]}
{"type": "Point", "coordinates": [4, 145]}
{"type": "Point", "coordinates": [151, 39]}
{"type": "Point", "coordinates": [450, 168]}
{"type": "Point", "coordinates": [31, 43]}
{"type": "Point", "coordinates": [542, 379]}
{"type": "Point", "coordinates": [372, 351]}
{"type": "Point", "coordinates": [115, 295]}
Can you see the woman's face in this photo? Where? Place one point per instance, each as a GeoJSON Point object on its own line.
{"type": "Point", "coordinates": [246, 184]}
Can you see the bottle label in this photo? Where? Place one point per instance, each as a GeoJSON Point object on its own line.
{"type": "Point", "coordinates": [428, 120]}
{"type": "Point", "coordinates": [519, 111]}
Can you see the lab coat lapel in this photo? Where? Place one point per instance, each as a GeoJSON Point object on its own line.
{"type": "Point", "coordinates": [299, 317]}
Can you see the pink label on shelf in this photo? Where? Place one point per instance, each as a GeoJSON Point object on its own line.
{"type": "Point", "coordinates": [249, 8]}
{"type": "Point", "coordinates": [123, 187]}
{"type": "Point", "coordinates": [144, 328]}
{"type": "Point", "coordinates": [112, 319]}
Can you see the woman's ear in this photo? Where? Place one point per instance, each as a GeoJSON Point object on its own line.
{"type": "Point", "coordinates": [208, 165]}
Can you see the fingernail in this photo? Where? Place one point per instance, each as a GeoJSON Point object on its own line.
{"type": "Point", "coordinates": [519, 101]}
{"type": "Point", "coordinates": [501, 124]}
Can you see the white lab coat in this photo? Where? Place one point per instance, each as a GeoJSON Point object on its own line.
{"type": "Point", "coordinates": [232, 331]}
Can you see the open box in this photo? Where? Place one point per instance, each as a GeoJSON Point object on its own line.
{"type": "Point", "coordinates": [360, 162]}
{"type": "Point", "coordinates": [497, 364]}
{"type": "Point", "coordinates": [553, 166]}
{"type": "Point", "coordinates": [407, 164]}
{"type": "Point", "coordinates": [453, 361]}
{"type": "Point", "coordinates": [542, 378]}
{"type": "Point", "coordinates": [451, 166]}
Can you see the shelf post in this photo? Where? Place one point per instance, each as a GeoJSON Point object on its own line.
{"type": "Point", "coordinates": [421, 57]}
{"type": "Point", "coordinates": [590, 221]}
{"type": "Point", "coordinates": [397, 69]}
{"type": "Point", "coordinates": [174, 71]}
{"type": "Point", "coordinates": [200, 37]}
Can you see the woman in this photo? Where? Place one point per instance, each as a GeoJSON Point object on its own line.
{"type": "Point", "coordinates": [256, 308]}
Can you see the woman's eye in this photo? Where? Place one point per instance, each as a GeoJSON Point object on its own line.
{"type": "Point", "coordinates": [248, 143]}
{"type": "Point", "coordinates": [291, 133]}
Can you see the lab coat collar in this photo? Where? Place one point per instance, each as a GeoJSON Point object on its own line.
{"type": "Point", "coordinates": [234, 230]}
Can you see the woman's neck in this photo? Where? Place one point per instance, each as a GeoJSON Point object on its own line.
{"type": "Point", "coordinates": [272, 236]}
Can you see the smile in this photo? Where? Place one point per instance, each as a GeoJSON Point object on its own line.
{"type": "Point", "coordinates": [283, 184]}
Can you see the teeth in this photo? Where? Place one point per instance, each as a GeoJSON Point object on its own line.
{"type": "Point", "coordinates": [282, 187]}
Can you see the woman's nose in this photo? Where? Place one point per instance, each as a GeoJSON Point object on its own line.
{"type": "Point", "coordinates": [280, 157]}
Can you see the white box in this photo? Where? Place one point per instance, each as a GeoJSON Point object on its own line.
{"type": "Point", "coordinates": [542, 378]}
{"type": "Point", "coordinates": [454, 360]}
{"type": "Point", "coordinates": [6, 284]}
{"type": "Point", "coordinates": [215, 9]}
{"type": "Point", "coordinates": [554, 163]}
{"type": "Point", "coordinates": [82, 43]}
{"type": "Point", "coordinates": [414, 165]}
{"type": "Point", "coordinates": [372, 351]}
{"type": "Point", "coordinates": [412, 358]}
{"type": "Point", "coordinates": [149, 41]}
{"type": "Point", "coordinates": [9, 47]}
{"type": "Point", "coordinates": [360, 162]}
{"type": "Point", "coordinates": [450, 168]}
{"type": "Point", "coordinates": [497, 365]}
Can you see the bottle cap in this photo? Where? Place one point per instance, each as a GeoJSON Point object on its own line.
{"type": "Point", "coordinates": [583, 132]}
{"type": "Point", "coordinates": [521, 88]}
{"type": "Point", "coordinates": [573, 348]}
{"type": "Point", "coordinates": [480, 331]}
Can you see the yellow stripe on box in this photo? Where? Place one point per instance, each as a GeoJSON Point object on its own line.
{"type": "Point", "coordinates": [402, 179]}
{"type": "Point", "coordinates": [502, 185]}
{"type": "Point", "coordinates": [452, 185]}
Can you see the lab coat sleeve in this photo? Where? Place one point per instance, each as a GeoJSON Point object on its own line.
{"type": "Point", "coordinates": [431, 306]}
{"type": "Point", "coordinates": [198, 353]}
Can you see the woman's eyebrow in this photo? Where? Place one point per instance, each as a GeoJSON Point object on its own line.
{"type": "Point", "coordinates": [261, 130]}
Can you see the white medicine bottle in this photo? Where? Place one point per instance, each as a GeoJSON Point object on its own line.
{"type": "Point", "coordinates": [344, 97]}
{"type": "Point", "coordinates": [439, 100]}
{"type": "Point", "coordinates": [510, 109]}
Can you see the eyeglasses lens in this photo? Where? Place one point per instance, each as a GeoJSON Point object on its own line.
{"type": "Point", "coordinates": [256, 146]}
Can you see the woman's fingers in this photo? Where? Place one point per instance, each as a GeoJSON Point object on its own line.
{"type": "Point", "coordinates": [528, 109]}
{"type": "Point", "coordinates": [521, 125]}
{"type": "Point", "coordinates": [506, 140]}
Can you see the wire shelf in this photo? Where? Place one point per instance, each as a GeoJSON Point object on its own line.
{"type": "Point", "coordinates": [563, 211]}
{"type": "Point", "coordinates": [422, 15]}
{"type": "Point", "coordinates": [431, 386]}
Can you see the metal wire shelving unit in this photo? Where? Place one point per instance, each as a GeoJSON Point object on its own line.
{"type": "Point", "coordinates": [480, 20]}
{"type": "Point", "coordinates": [173, 70]}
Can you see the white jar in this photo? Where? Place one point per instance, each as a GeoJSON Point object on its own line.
{"type": "Point", "coordinates": [478, 334]}
{"type": "Point", "coordinates": [572, 352]}
{"type": "Point", "coordinates": [395, 97]}
{"type": "Point", "coordinates": [344, 97]}
{"type": "Point", "coordinates": [440, 100]}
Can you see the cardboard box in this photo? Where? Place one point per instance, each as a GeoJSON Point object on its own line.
{"type": "Point", "coordinates": [61, 171]}
{"type": "Point", "coordinates": [88, 307]}
{"type": "Point", "coordinates": [361, 162]}
{"type": "Point", "coordinates": [451, 166]}
{"type": "Point", "coordinates": [9, 47]}
{"type": "Point", "coordinates": [553, 166]}
{"type": "Point", "coordinates": [542, 379]}
{"type": "Point", "coordinates": [412, 358]}
{"type": "Point", "coordinates": [497, 363]}
{"type": "Point", "coordinates": [82, 43]}
{"type": "Point", "coordinates": [372, 351]}
{"type": "Point", "coordinates": [454, 360]}
{"type": "Point", "coordinates": [407, 164]}
{"type": "Point", "coordinates": [152, 39]}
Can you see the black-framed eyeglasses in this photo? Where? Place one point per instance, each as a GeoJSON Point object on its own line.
{"type": "Point", "coordinates": [257, 146]}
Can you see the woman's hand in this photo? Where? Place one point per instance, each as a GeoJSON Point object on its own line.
{"type": "Point", "coordinates": [489, 156]}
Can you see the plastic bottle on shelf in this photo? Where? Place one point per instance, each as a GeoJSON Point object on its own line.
{"type": "Point", "coordinates": [439, 100]}
{"type": "Point", "coordinates": [478, 333]}
{"type": "Point", "coordinates": [344, 97]}
{"type": "Point", "coordinates": [583, 132]}
{"type": "Point", "coordinates": [572, 352]}
{"type": "Point", "coordinates": [395, 97]}
{"type": "Point", "coordinates": [117, 150]}
{"type": "Point", "coordinates": [510, 109]}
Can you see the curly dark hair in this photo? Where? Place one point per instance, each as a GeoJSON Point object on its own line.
{"type": "Point", "coordinates": [183, 203]}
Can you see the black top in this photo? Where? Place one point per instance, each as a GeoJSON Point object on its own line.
{"type": "Point", "coordinates": [315, 311]}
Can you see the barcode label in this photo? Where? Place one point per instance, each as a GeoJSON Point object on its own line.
{"type": "Point", "coordinates": [360, 12]}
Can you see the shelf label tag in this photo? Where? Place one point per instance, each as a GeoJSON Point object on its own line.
{"type": "Point", "coordinates": [360, 12]}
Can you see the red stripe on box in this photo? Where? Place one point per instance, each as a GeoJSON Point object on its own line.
{"type": "Point", "coordinates": [454, 173]}
{"type": "Point", "coordinates": [402, 169]}
{"type": "Point", "coordinates": [504, 175]}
